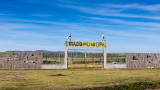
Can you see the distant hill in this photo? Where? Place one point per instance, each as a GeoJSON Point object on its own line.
{"type": "Point", "coordinates": [46, 51]}
{"type": "Point", "coordinates": [43, 51]}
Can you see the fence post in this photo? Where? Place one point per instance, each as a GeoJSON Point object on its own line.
{"type": "Point", "coordinates": [105, 57]}
{"type": "Point", "coordinates": [85, 57]}
{"type": "Point", "coordinates": [66, 57]}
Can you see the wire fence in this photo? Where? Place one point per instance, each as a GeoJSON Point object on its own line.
{"type": "Point", "coordinates": [53, 58]}
{"type": "Point", "coordinates": [84, 58]}
{"type": "Point", "coordinates": [116, 58]}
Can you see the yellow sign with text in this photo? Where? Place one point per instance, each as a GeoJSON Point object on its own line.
{"type": "Point", "coordinates": [85, 44]}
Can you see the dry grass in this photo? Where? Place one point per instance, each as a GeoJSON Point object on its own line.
{"type": "Point", "coordinates": [90, 65]}
{"type": "Point", "coordinates": [74, 78]}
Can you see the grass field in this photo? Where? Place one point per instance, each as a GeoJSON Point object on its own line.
{"type": "Point", "coordinates": [76, 78]}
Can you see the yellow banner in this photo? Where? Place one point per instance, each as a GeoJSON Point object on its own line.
{"type": "Point", "coordinates": [85, 44]}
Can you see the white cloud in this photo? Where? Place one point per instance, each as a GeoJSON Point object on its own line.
{"type": "Point", "coordinates": [126, 22]}
{"type": "Point", "coordinates": [10, 30]}
{"type": "Point", "coordinates": [81, 31]}
{"type": "Point", "coordinates": [7, 42]}
{"type": "Point", "coordinates": [41, 15]}
{"type": "Point", "coordinates": [133, 35]}
{"type": "Point", "coordinates": [107, 11]}
{"type": "Point", "coordinates": [155, 7]}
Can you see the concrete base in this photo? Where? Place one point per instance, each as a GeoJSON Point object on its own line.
{"type": "Point", "coordinates": [118, 66]}
{"type": "Point", "coordinates": [46, 66]}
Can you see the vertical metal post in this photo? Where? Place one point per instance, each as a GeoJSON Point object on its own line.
{"type": "Point", "coordinates": [66, 57]}
{"type": "Point", "coordinates": [105, 57]}
{"type": "Point", "coordinates": [85, 58]}
{"type": "Point", "coordinates": [59, 57]}
{"type": "Point", "coordinates": [72, 57]}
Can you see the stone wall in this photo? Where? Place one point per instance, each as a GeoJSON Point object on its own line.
{"type": "Point", "coordinates": [20, 60]}
{"type": "Point", "coordinates": [34, 60]}
{"type": "Point", "coordinates": [143, 60]}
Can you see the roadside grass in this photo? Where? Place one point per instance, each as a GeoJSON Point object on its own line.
{"type": "Point", "coordinates": [85, 78]}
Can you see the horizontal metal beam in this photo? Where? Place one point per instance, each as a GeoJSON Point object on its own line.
{"type": "Point", "coordinates": [88, 49]}
{"type": "Point", "coordinates": [85, 44]}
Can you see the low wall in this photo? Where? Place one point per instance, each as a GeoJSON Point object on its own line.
{"type": "Point", "coordinates": [116, 66]}
{"type": "Point", "coordinates": [20, 60]}
{"type": "Point", "coordinates": [143, 60]}
{"type": "Point", "coordinates": [34, 60]}
{"type": "Point", "coordinates": [47, 66]}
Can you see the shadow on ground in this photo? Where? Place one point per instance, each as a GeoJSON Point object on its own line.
{"type": "Point", "coordinates": [134, 86]}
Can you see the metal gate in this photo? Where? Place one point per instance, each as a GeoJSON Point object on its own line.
{"type": "Point", "coordinates": [85, 58]}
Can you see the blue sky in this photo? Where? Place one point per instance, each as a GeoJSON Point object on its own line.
{"type": "Point", "coordinates": [128, 25]}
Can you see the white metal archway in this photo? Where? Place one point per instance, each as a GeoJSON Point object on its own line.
{"type": "Point", "coordinates": [85, 44]}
